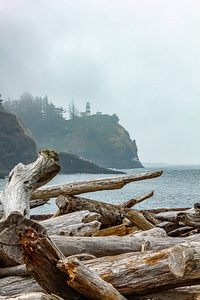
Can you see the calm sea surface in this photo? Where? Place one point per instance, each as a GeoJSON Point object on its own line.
{"type": "Point", "coordinates": [178, 186]}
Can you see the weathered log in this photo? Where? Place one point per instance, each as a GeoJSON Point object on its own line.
{"type": "Point", "coordinates": [81, 223]}
{"type": "Point", "coordinates": [170, 216]}
{"type": "Point", "coordinates": [80, 187]}
{"type": "Point", "coordinates": [114, 245]}
{"type": "Point", "coordinates": [87, 282]}
{"type": "Point", "coordinates": [184, 260]}
{"type": "Point", "coordinates": [130, 203]}
{"type": "Point", "coordinates": [119, 230]}
{"type": "Point", "coordinates": [190, 217]}
{"type": "Point", "coordinates": [32, 296]}
{"type": "Point", "coordinates": [111, 214]}
{"type": "Point", "coordinates": [10, 249]}
{"type": "Point", "coordinates": [139, 220]}
{"type": "Point", "coordinates": [13, 271]}
{"type": "Point", "coordinates": [168, 226]}
{"type": "Point", "coordinates": [41, 256]}
{"type": "Point", "coordinates": [181, 231]}
{"type": "Point", "coordinates": [14, 285]}
{"type": "Point", "coordinates": [181, 293]}
{"type": "Point", "coordinates": [138, 273]}
{"type": "Point", "coordinates": [38, 202]}
{"type": "Point", "coordinates": [24, 179]}
{"type": "Point", "coordinates": [155, 232]}
{"type": "Point", "coordinates": [150, 217]}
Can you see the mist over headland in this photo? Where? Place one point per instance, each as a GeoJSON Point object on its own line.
{"type": "Point", "coordinates": [139, 60]}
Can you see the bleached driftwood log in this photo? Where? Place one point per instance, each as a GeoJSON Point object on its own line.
{"type": "Point", "coordinates": [130, 203]}
{"type": "Point", "coordinates": [80, 187]}
{"type": "Point", "coordinates": [13, 271]}
{"type": "Point", "coordinates": [138, 219]}
{"type": "Point", "coordinates": [32, 296]}
{"type": "Point", "coordinates": [80, 223]}
{"type": "Point", "coordinates": [184, 260]}
{"type": "Point", "coordinates": [24, 179]}
{"type": "Point", "coordinates": [87, 282]}
{"type": "Point", "coordinates": [41, 256]}
{"type": "Point", "coordinates": [190, 217]}
{"type": "Point", "coordinates": [114, 245]}
{"type": "Point", "coordinates": [19, 285]}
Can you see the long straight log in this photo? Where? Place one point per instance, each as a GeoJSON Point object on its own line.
{"type": "Point", "coordinates": [114, 245]}
{"type": "Point", "coordinates": [87, 282]}
{"type": "Point", "coordinates": [80, 187]}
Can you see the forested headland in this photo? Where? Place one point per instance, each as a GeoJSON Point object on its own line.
{"type": "Point", "coordinates": [97, 137]}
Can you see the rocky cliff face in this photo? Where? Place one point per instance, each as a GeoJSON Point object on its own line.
{"type": "Point", "coordinates": [15, 145]}
{"type": "Point", "coordinates": [72, 163]}
{"type": "Point", "coordinates": [98, 138]}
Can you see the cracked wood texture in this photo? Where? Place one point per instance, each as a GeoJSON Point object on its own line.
{"type": "Point", "coordinates": [24, 179]}
{"type": "Point", "coordinates": [41, 256]}
{"type": "Point", "coordinates": [87, 282]}
{"type": "Point", "coordinates": [184, 260]}
{"type": "Point", "coordinates": [139, 273]}
{"type": "Point", "coordinates": [79, 187]}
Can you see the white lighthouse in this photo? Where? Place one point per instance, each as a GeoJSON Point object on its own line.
{"type": "Point", "coordinates": [87, 111]}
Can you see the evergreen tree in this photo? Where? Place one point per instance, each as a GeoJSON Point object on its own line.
{"type": "Point", "coordinates": [1, 106]}
{"type": "Point", "coordinates": [73, 111]}
{"type": "Point", "coordinates": [41, 117]}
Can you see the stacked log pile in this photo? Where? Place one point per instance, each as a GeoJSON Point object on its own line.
{"type": "Point", "coordinates": [90, 249]}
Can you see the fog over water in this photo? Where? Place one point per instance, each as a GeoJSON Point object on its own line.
{"type": "Point", "coordinates": [138, 59]}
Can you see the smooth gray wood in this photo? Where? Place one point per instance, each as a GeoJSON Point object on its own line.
{"type": "Point", "coordinates": [85, 186]}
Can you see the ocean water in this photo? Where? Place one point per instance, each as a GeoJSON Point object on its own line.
{"type": "Point", "coordinates": [178, 186]}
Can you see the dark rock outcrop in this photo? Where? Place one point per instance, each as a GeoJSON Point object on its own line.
{"type": "Point", "coordinates": [71, 163]}
{"type": "Point", "coordinates": [15, 145]}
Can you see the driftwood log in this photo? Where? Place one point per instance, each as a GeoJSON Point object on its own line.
{"type": "Point", "coordinates": [119, 230]}
{"type": "Point", "coordinates": [111, 214]}
{"type": "Point", "coordinates": [10, 249]}
{"type": "Point", "coordinates": [80, 187]}
{"type": "Point", "coordinates": [138, 219]}
{"type": "Point", "coordinates": [41, 257]}
{"type": "Point", "coordinates": [190, 217]}
{"type": "Point", "coordinates": [130, 203]}
{"type": "Point", "coordinates": [184, 260]}
{"type": "Point", "coordinates": [32, 296]}
{"type": "Point", "coordinates": [87, 282]}
{"type": "Point", "coordinates": [80, 223]}
{"type": "Point", "coordinates": [24, 179]}
{"type": "Point", "coordinates": [14, 285]}
{"type": "Point", "coordinates": [129, 273]}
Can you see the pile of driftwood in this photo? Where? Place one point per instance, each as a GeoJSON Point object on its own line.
{"type": "Point", "coordinates": [90, 249]}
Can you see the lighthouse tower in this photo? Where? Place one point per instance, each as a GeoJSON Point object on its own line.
{"type": "Point", "coordinates": [87, 111]}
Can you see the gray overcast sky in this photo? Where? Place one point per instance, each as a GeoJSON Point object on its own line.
{"type": "Point", "coordinates": [139, 59]}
